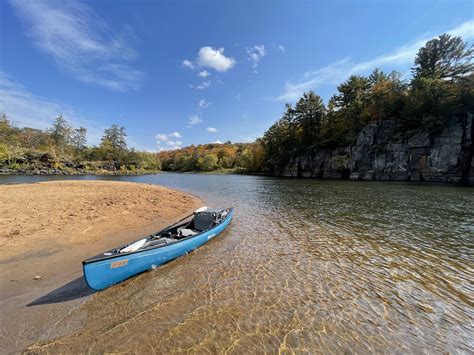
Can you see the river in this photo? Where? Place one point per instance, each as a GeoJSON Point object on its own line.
{"type": "Point", "coordinates": [305, 266]}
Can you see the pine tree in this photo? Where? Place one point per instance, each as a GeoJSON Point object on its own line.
{"type": "Point", "coordinates": [444, 57]}
{"type": "Point", "coordinates": [60, 131]}
{"type": "Point", "coordinates": [79, 139]}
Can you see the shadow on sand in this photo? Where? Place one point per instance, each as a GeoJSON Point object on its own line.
{"type": "Point", "coordinates": [72, 290]}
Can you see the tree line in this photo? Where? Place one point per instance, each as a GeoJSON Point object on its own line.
{"type": "Point", "coordinates": [238, 157]}
{"type": "Point", "coordinates": [63, 148]}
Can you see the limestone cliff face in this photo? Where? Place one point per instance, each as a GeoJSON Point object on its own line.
{"type": "Point", "coordinates": [379, 153]}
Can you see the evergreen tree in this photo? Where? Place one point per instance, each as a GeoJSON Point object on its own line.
{"type": "Point", "coordinates": [444, 57]}
{"type": "Point", "coordinates": [114, 143]}
{"type": "Point", "coordinates": [308, 115]}
{"type": "Point", "coordinates": [60, 131]}
{"type": "Point", "coordinates": [79, 139]}
{"type": "Point", "coordinates": [116, 137]}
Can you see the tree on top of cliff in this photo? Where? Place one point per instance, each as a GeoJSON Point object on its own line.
{"type": "Point", "coordinates": [309, 113]}
{"type": "Point", "coordinates": [444, 57]}
{"type": "Point", "coordinates": [442, 84]}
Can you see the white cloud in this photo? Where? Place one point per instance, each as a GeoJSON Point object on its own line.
{"type": "Point", "coordinates": [161, 137]}
{"type": "Point", "coordinates": [175, 135]}
{"type": "Point", "coordinates": [280, 47]}
{"type": "Point", "coordinates": [256, 53]}
{"type": "Point", "coordinates": [339, 71]}
{"type": "Point", "coordinates": [188, 63]}
{"type": "Point", "coordinates": [215, 59]}
{"type": "Point", "coordinates": [163, 149]}
{"type": "Point", "coordinates": [26, 109]}
{"type": "Point", "coordinates": [204, 74]}
{"type": "Point", "coordinates": [204, 85]}
{"type": "Point", "coordinates": [174, 143]}
{"type": "Point", "coordinates": [194, 120]}
{"type": "Point", "coordinates": [217, 142]}
{"type": "Point", "coordinates": [211, 129]}
{"type": "Point", "coordinates": [203, 103]}
{"type": "Point", "coordinates": [165, 138]}
{"type": "Point", "coordinates": [81, 42]}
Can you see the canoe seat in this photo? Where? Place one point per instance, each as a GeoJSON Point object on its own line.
{"type": "Point", "coordinates": [187, 232]}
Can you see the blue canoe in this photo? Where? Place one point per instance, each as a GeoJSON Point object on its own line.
{"type": "Point", "coordinates": [119, 264]}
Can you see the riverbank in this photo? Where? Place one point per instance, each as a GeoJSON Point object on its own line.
{"type": "Point", "coordinates": [74, 171]}
{"type": "Point", "coordinates": [48, 228]}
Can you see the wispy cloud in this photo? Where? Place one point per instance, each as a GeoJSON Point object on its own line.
{"type": "Point", "coordinates": [81, 42]}
{"type": "Point", "coordinates": [194, 120]}
{"type": "Point", "coordinates": [188, 64]}
{"type": "Point", "coordinates": [204, 85]}
{"type": "Point", "coordinates": [211, 129]}
{"type": "Point", "coordinates": [26, 109]}
{"type": "Point", "coordinates": [203, 103]}
{"type": "Point", "coordinates": [160, 137]}
{"type": "Point", "coordinates": [336, 72]}
{"type": "Point", "coordinates": [175, 135]}
{"type": "Point", "coordinates": [280, 47]}
{"type": "Point", "coordinates": [255, 54]}
{"type": "Point", "coordinates": [174, 143]}
{"type": "Point", "coordinates": [204, 74]}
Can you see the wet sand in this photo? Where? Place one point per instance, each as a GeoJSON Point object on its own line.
{"type": "Point", "coordinates": [48, 228]}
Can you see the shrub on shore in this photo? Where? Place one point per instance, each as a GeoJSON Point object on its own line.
{"type": "Point", "coordinates": [63, 150]}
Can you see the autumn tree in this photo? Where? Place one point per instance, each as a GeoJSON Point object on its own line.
{"type": "Point", "coordinates": [386, 94]}
{"type": "Point", "coordinates": [207, 163]}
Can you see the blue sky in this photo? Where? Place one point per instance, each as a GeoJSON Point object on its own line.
{"type": "Point", "coordinates": [176, 73]}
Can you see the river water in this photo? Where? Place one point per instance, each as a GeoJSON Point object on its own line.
{"type": "Point", "coordinates": [306, 266]}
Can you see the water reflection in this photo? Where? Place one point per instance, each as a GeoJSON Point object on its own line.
{"type": "Point", "coordinates": [306, 265]}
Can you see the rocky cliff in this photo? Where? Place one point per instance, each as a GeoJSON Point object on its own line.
{"type": "Point", "coordinates": [380, 152]}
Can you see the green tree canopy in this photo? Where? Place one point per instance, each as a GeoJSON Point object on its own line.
{"type": "Point", "coordinates": [308, 115]}
{"type": "Point", "coordinates": [60, 131]}
{"type": "Point", "coordinates": [116, 137]}
{"type": "Point", "coordinates": [445, 57]}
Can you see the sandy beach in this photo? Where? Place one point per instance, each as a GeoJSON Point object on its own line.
{"type": "Point", "coordinates": [48, 228]}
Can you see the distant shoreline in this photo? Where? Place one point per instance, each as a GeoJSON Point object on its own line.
{"type": "Point", "coordinates": [73, 172]}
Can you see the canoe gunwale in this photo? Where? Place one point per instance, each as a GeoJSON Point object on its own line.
{"type": "Point", "coordinates": [108, 257]}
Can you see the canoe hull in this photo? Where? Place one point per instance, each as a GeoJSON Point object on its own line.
{"type": "Point", "coordinates": [105, 273]}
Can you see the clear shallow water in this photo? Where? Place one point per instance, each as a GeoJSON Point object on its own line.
{"type": "Point", "coordinates": [306, 266]}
